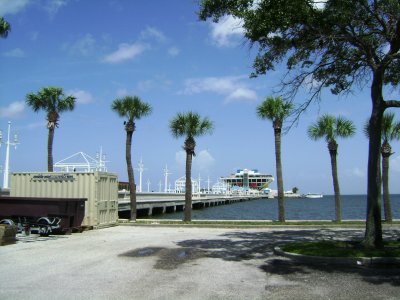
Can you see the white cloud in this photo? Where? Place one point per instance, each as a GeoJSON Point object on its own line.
{"type": "Point", "coordinates": [173, 51]}
{"type": "Point", "coordinates": [145, 85]}
{"type": "Point", "coordinates": [125, 52]}
{"type": "Point", "coordinates": [12, 110]}
{"type": "Point", "coordinates": [395, 163]}
{"type": "Point", "coordinates": [31, 126]}
{"type": "Point", "coordinates": [81, 96]}
{"type": "Point", "coordinates": [242, 93]}
{"type": "Point", "coordinates": [34, 35]}
{"type": "Point", "coordinates": [232, 87]}
{"type": "Point", "coordinates": [153, 33]}
{"type": "Point", "coordinates": [203, 160]}
{"type": "Point", "coordinates": [53, 6]}
{"type": "Point", "coordinates": [17, 52]}
{"type": "Point", "coordinates": [122, 92]}
{"type": "Point", "coordinates": [320, 4]}
{"type": "Point", "coordinates": [226, 32]}
{"type": "Point", "coordinates": [12, 6]}
{"type": "Point", "coordinates": [180, 157]}
{"type": "Point", "coordinates": [158, 82]}
{"type": "Point", "coordinates": [355, 172]}
{"type": "Point", "coordinates": [83, 46]}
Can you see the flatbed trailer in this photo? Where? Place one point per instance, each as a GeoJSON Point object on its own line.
{"type": "Point", "coordinates": [45, 215]}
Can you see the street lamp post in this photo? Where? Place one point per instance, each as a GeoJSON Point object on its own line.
{"type": "Point", "coordinates": [7, 161]}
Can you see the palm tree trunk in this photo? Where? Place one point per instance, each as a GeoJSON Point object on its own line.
{"type": "Point", "coordinates": [188, 188]}
{"type": "Point", "coordinates": [332, 146]}
{"type": "Point", "coordinates": [373, 229]}
{"type": "Point", "coordinates": [281, 199]}
{"type": "Point", "coordinates": [131, 178]}
{"type": "Point", "coordinates": [386, 152]}
{"type": "Point", "coordinates": [50, 139]}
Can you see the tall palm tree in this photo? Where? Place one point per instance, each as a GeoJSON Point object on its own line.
{"type": "Point", "coordinates": [277, 110]}
{"type": "Point", "coordinates": [330, 128]}
{"type": "Point", "coordinates": [190, 125]}
{"type": "Point", "coordinates": [132, 108]}
{"type": "Point", "coordinates": [53, 101]}
{"type": "Point", "coordinates": [390, 132]}
{"type": "Point", "coordinates": [5, 28]}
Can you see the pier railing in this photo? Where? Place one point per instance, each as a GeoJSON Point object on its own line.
{"type": "Point", "coordinates": [156, 203]}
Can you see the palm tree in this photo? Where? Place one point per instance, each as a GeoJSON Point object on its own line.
{"type": "Point", "coordinates": [277, 110]}
{"type": "Point", "coordinates": [5, 28]}
{"type": "Point", "coordinates": [53, 101]}
{"type": "Point", "coordinates": [131, 108]}
{"type": "Point", "coordinates": [390, 132]}
{"type": "Point", "coordinates": [331, 128]}
{"type": "Point", "coordinates": [190, 125]}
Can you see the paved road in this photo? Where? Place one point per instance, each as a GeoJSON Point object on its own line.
{"type": "Point", "coordinates": [142, 262]}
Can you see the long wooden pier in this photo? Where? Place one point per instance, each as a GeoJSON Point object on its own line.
{"type": "Point", "coordinates": [148, 204]}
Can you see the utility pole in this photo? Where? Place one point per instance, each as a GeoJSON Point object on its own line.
{"type": "Point", "coordinates": [7, 161]}
{"type": "Point", "coordinates": [199, 188]}
{"type": "Point", "coordinates": [140, 169]}
{"type": "Point", "coordinates": [166, 173]}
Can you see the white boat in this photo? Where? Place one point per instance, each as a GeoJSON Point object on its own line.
{"type": "Point", "coordinates": [313, 195]}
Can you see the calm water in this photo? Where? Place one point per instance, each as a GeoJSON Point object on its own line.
{"type": "Point", "coordinates": [353, 207]}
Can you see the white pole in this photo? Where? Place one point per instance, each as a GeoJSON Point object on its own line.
{"type": "Point", "coordinates": [7, 161]}
{"type": "Point", "coordinates": [166, 173]}
{"type": "Point", "coordinates": [140, 165]}
{"type": "Point", "coordinates": [199, 188]}
{"type": "Point", "coordinates": [148, 185]}
{"type": "Point", "coordinates": [159, 186]}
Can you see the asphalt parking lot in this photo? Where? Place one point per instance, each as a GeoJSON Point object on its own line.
{"type": "Point", "coordinates": [159, 262]}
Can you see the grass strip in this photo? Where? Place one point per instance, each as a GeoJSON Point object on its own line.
{"type": "Point", "coordinates": [342, 249]}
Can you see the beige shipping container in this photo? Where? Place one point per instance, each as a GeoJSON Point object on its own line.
{"type": "Point", "coordinates": [100, 189]}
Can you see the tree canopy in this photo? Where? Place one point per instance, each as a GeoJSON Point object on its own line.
{"type": "Point", "coordinates": [190, 124]}
{"type": "Point", "coordinates": [5, 28]}
{"type": "Point", "coordinates": [336, 44]}
{"type": "Point", "coordinates": [131, 107]}
{"type": "Point", "coordinates": [53, 101]}
{"type": "Point", "coordinates": [332, 44]}
{"type": "Point", "coordinates": [331, 128]}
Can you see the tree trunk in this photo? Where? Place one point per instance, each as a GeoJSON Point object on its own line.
{"type": "Point", "coordinates": [281, 197]}
{"type": "Point", "coordinates": [131, 177]}
{"type": "Point", "coordinates": [50, 139]}
{"type": "Point", "coordinates": [188, 188]}
{"type": "Point", "coordinates": [373, 227]}
{"type": "Point", "coordinates": [386, 153]}
{"type": "Point", "coordinates": [333, 146]}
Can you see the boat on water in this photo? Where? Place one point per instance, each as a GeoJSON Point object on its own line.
{"type": "Point", "coordinates": [313, 195]}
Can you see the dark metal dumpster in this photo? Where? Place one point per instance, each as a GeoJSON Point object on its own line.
{"type": "Point", "coordinates": [71, 211]}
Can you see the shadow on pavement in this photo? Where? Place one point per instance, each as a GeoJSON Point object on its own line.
{"type": "Point", "coordinates": [242, 245]}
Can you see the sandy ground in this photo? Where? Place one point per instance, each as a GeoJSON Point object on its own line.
{"type": "Point", "coordinates": [157, 262]}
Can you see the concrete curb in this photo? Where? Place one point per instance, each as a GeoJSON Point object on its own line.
{"type": "Point", "coordinates": [348, 261]}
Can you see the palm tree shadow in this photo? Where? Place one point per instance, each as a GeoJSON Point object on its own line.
{"type": "Point", "coordinates": [243, 246]}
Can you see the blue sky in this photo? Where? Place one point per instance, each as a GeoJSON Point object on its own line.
{"type": "Point", "coordinates": [99, 50]}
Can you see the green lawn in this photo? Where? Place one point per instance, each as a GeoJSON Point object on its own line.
{"type": "Point", "coordinates": [342, 249]}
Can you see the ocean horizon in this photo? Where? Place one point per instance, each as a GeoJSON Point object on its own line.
{"type": "Point", "coordinates": [354, 207]}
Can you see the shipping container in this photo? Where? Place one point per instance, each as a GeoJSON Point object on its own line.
{"type": "Point", "coordinates": [99, 188]}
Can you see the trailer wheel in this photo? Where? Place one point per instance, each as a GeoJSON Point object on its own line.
{"type": "Point", "coordinates": [7, 222]}
{"type": "Point", "coordinates": [44, 227]}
